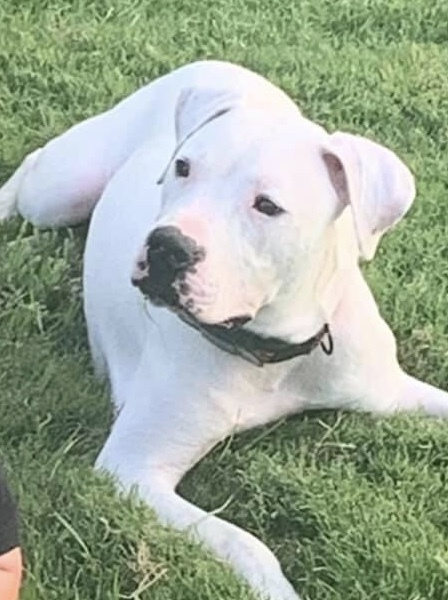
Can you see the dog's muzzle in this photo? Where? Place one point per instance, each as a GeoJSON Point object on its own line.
{"type": "Point", "coordinates": [170, 256]}
{"type": "Point", "coordinates": [160, 275]}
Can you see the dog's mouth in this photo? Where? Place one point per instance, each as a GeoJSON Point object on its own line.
{"type": "Point", "coordinates": [228, 325]}
{"type": "Point", "coordinates": [230, 336]}
{"type": "Point", "coordinates": [175, 298]}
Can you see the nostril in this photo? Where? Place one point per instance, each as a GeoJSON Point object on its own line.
{"type": "Point", "coordinates": [163, 236]}
{"type": "Point", "coordinates": [170, 246]}
{"type": "Point", "coordinates": [170, 254]}
{"type": "Point", "coordinates": [161, 240]}
{"type": "Point", "coordinates": [156, 245]}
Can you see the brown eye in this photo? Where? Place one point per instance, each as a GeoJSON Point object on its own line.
{"type": "Point", "coordinates": [182, 167]}
{"type": "Point", "coordinates": [265, 205]}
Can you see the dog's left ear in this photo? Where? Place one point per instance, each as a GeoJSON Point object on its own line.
{"type": "Point", "coordinates": [373, 181]}
{"type": "Point", "coordinates": [195, 108]}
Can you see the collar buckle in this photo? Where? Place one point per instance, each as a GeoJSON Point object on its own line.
{"type": "Point", "coordinates": [326, 341]}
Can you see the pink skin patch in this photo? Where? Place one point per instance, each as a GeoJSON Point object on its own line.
{"type": "Point", "coordinates": [193, 227]}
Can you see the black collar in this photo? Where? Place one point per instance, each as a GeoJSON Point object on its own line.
{"type": "Point", "coordinates": [257, 349]}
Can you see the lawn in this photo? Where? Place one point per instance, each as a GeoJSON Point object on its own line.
{"type": "Point", "coordinates": [355, 508]}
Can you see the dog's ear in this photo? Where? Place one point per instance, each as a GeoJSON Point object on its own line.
{"type": "Point", "coordinates": [373, 181]}
{"type": "Point", "coordinates": [197, 106]}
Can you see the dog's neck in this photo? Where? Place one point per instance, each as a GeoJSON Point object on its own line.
{"type": "Point", "coordinates": [300, 314]}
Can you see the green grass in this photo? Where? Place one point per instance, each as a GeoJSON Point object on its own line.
{"type": "Point", "coordinates": [355, 508]}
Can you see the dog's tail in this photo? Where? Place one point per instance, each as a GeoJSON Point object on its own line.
{"type": "Point", "coordinates": [9, 193]}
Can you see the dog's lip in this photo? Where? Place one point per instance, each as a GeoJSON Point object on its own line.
{"type": "Point", "coordinates": [235, 322]}
{"type": "Point", "coordinates": [231, 323]}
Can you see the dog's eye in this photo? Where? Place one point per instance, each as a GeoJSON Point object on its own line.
{"type": "Point", "coordinates": [182, 167]}
{"type": "Point", "coordinates": [265, 205]}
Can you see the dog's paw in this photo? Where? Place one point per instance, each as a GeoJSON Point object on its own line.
{"type": "Point", "coordinates": [255, 562]}
{"type": "Point", "coordinates": [8, 204]}
{"type": "Point", "coordinates": [9, 192]}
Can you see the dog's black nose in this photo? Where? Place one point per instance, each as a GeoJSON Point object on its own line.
{"type": "Point", "coordinates": [170, 255]}
{"type": "Point", "coordinates": [170, 248]}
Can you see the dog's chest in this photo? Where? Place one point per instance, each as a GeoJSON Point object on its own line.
{"type": "Point", "coordinates": [260, 395]}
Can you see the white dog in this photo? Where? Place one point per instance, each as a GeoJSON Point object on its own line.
{"type": "Point", "coordinates": [242, 223]}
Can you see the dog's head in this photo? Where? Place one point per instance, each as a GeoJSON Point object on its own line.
{"type": "Point", "coordinates": [248, 202]}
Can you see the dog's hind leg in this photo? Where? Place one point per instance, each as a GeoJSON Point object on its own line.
{"type": "Point", "coordinates": [9, 193]}
{"type": "Point", "coordinates": [59, 184]}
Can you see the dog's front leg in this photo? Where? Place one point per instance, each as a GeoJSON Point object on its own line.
{"type": "Point", "coordinates": [249, 556]}
{"type": "Point", "coordinates": [152, 444]}
{"type": "Point", "coordinates": [416, 395]}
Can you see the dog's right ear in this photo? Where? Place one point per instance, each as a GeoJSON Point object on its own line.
{"type": "Point", "coordinates": [195, 108]}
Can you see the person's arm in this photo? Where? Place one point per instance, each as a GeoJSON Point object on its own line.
{"type": "Point", "coordinates": [10, 574]}
{"type": "Point", "coordinates": [10, 552]}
